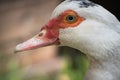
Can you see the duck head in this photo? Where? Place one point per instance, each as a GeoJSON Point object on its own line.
{"type": "Point", "coordinates": [80, 24]}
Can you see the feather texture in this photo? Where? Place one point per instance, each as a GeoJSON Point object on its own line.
{"type": "Point", "coordinates": [98, 37]}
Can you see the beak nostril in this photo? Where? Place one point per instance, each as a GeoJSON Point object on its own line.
{"type": "Point", "coordinates": [41, 34]}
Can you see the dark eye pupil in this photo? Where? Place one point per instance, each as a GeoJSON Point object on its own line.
{"type": "Point", "coordinates": [70, 18]}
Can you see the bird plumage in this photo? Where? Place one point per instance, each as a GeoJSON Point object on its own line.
{"type": "Point", "coordinates": [97, 35]}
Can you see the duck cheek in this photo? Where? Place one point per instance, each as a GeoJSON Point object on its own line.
{"type": "Point", "coordinates": [62, 37]}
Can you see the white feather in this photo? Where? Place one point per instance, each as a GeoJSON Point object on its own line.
{"type": "Point", "coordinates": [98, 37]}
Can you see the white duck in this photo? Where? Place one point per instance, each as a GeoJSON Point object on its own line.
{"type": "Point", "coordinates": [88, 27]}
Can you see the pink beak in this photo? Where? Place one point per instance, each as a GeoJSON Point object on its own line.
{"type": "Point", "coordinates": [47, 36]}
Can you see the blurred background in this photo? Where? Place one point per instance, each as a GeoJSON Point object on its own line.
{"type": "Point", "coordinates": [21, 20]}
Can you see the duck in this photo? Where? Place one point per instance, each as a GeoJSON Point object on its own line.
{"type": "Point", "coordinates": [87, 27]}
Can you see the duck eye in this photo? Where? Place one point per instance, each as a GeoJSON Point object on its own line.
{"type": "Point", "coordinates": [71, 18]}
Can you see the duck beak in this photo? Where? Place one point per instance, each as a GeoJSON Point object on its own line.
{"type": "Point", "coordinates": [44, 38]}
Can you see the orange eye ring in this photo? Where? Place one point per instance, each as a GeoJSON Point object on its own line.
{"type": "Point", "coordinates": [69, 19]}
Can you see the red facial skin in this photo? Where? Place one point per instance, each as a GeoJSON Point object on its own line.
{"type": "Point", "coordinates": [53, 26]}
{"type": "Point", "coordinates": [52, 29]}
{"type": "Point", "coordinates": [60, 22]}
{"type": "Point", "coordinates": [49, 33]}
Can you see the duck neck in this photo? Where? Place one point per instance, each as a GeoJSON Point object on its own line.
{"type": "Point", "coordinates": [103, 69]}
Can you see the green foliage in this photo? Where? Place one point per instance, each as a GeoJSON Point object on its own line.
{"type": "Point", "coordinates": [77, 63]}
{"type": "Point", "coordinates": [9, 69]}
{"type": "Point", "coordinates": [75, 67]}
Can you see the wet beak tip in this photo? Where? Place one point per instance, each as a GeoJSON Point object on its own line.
{"type": "Point", "coordinates": [17, 49]}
